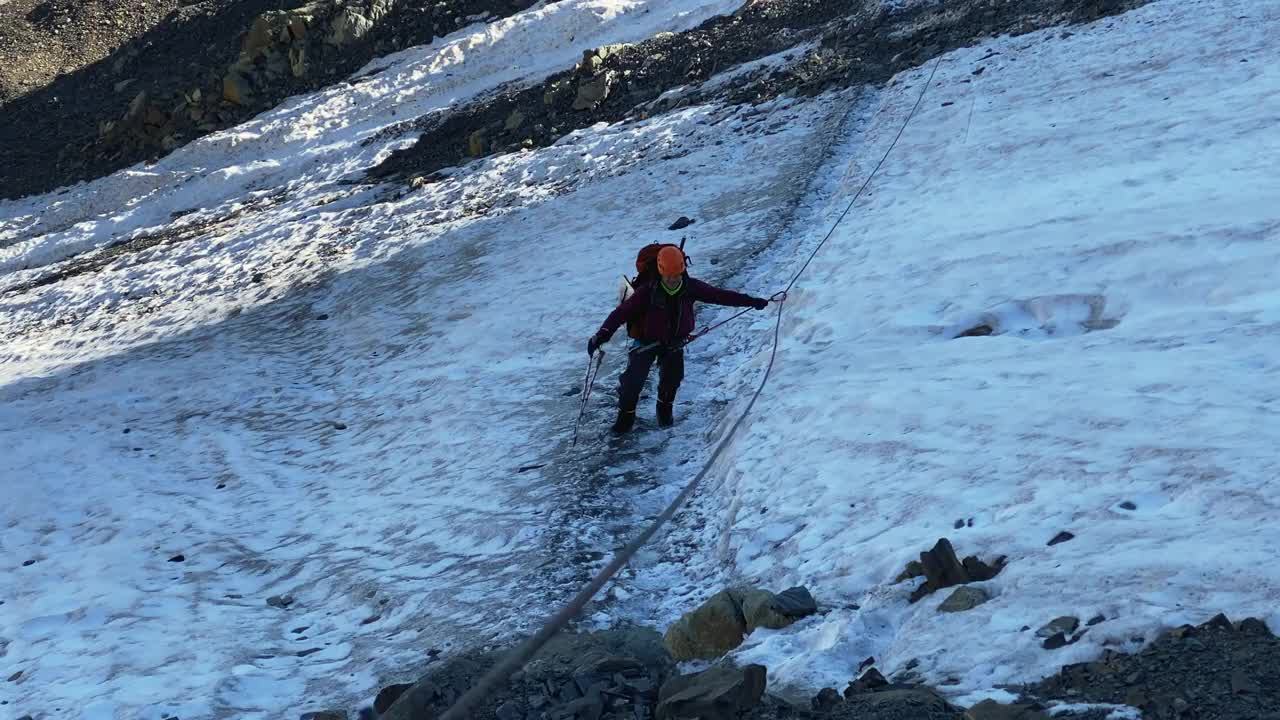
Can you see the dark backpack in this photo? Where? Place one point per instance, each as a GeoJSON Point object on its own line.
{"type": "Point", "coordinates": [646, 275]}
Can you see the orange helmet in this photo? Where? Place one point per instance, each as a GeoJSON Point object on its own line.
{"type": "Point", "coordinates": [670, 261]}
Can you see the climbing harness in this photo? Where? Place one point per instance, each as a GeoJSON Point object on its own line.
{"type": "Point", "coordinates": [518, 657]}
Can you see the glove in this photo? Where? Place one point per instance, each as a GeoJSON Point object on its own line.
{"type": "Point", "coordinates": [759, 303]}
{"type": "Point", "coordinates": [593, 344]}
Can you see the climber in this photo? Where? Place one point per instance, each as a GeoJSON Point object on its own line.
{"type": "Point", "coordinates": [660, 316]}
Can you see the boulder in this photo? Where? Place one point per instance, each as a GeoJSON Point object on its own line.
{"type": "Point", "coordinates": [388, 696]}
{"type": "Point", "coordinates": [1065, 625]}
{"type": "Point", "coordinates": [964, 598]}
{"type": "Point", "coordinates": [943, 569]}
{"type": "Point", "coordinates": [478, 144]}
{"type": "Point", "coordinates": [992, 710]}
{"type": "Point", "coordinates": [871, 681]}
{"type": "Point", "coordinates": [237, 89]}
{"type": "Point", "coordinates": [557, 91]}
{"type": "Point", "coordinates": [913, 570]}
{"type": "Point", "coordinates": [1254, 626]}
{"type": "Point", "coordinates": [267, 29]}
{"type": "Point", "coordinates": [720, 624]}
{"type": "Point", "coordinates": [298, 61]}
{"type": "Point", "coordinates": [593, 92]}
{"type": "Point", "coordinates": [712, 630]}
{"type": "Point", "coordinates": [757, 610]}
{"type": "Point", "coordinates": [347, 27]}
{"type": "Point", "coordinates": [795, 603]}
{"type": "Point", "coordinates": [826, 700]}
{"type": "Point", "coordinates": [715, 694]}
{"type": "Point", "coordinates": [898, 704]}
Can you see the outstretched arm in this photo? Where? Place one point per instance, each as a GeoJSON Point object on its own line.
{"type": "Point", "coordinates": [719, 296]}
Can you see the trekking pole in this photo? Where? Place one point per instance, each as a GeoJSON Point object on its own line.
{"type": "Point", "coordinates": [588, 383]}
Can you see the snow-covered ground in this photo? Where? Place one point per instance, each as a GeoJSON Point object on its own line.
{"type": "Point", "coordinates": [329, 391]}
{"type": "Point", "coordinates": [1106, 201]}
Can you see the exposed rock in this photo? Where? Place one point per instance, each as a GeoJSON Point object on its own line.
{"type": "Point", "coordinates": [348, 27]}
{"type": "Point", "coordinates": [388, 695]}
{"type": "Point", "coordinates": [763, 609]}
{"type": "Point", "coordinates": [964, 598]}
{"type": "Point", "coordinates": [1254, 626]}
{"type": "Point", "coordinates": [1219, 622]}
{"type": "Point", "coordinates": [243, 55]}
{"type": "Point", "coordinates": [721, 623]}
{"type": "Point", "coordinates": [712, 630]}
{"type": "Point", "coordinates": [1207, 671]}
{"type": "Point", "coordinates": [979, 571]}
{"type": "Point", "coordinates": [280, 601]}
{"type": "Point", "coordinates": [514, 120]}
{"type": "Point", "coordinates": [856, 42]}
{"type": "Point", "coordinates": [992, 710]}
{"type": "Point", "coordinates": [1065, 625]}
{"type": "Point", "coordinates": [795, 603]}
{"type": "Point", "coordinates": [1061, 538]}
{"type": "Point", "coordinates": [592, 92]}
{"type": "Point", "coordinates": [1056, 640]}
{"type": "Point", "coordinates": [716, 694]}
{"type": "Point", "coordinates": [573, 676]}
{"type": "Point", "coordinates": [826, 700]}
{"type": "Point", "coordinates": [914, 570]}
{"type": "Point", "coordinates": [757, 610]}
{"type": "Point", "coordinates": [237, 89]}
{"type": "Point", "coordinates": [325, 715]}
{"type": "Point", "coordinates": [871, 681]}
{"type": "Point", "coordinates": [478, 144]}
{"type": "Point", "coordinates": [1242, 684]}
{"type": "Point", "coordinates": [981, 330]}
{"type": "Point", "coordinates": [897, 704]}
{"type": "Point", "coordinates": [557, 92]}
{"type": "Point", "coordinates": [682, 223]}
{"type": "Point", "coordinates": [943, 569]}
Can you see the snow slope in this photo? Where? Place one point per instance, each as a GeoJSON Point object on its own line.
{"type": "Point", "coordinates": [314, 141]}
{"type": "Point", "coordinates": [335, 394]}
{"type": "Point", "coordinates": [380, 379]}
{"type": "Point", "coordinates": [1105, 200]}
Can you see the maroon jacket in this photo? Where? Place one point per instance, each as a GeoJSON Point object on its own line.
{"type": "Point", "coordinates": [666, 317]}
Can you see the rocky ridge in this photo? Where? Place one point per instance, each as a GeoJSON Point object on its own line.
{"type": "Point", "coordinates": [202, 67]}
{"type": "Point", "coordinates": [846, 43]}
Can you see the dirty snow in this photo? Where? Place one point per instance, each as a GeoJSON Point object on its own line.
{"type": "Point", "coordinates": [360, 397]}
{"type": "Point", "coordinates": [356, 398]}
{"type": "Point", "coordinates": [1105, 202]}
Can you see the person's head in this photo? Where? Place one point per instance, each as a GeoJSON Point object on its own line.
{"type": "Point", "coordinates": [671, 265]}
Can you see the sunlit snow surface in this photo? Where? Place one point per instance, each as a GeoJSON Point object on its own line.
{"type": "Point", "coordinates": [1105, 202]}
{"type": "Point", "coordinates": [366, 371]}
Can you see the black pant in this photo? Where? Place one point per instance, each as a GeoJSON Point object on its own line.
{"type": "Point", "coordinates": [670, 373]}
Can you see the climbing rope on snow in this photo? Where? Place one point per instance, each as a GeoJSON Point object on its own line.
{"type": "Point", "coordinates": [522, 654]}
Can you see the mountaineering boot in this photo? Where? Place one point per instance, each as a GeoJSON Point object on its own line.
{"type": "Point", "coordinates": [626, 419]}
{"type": "Point", "coordinates": [665, 416]}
